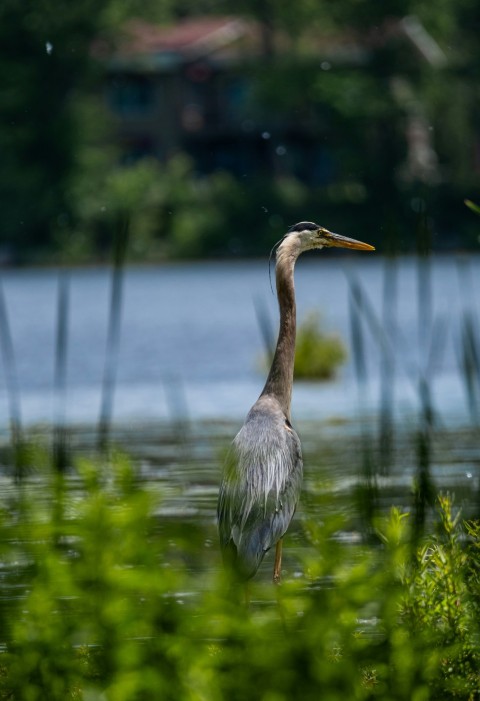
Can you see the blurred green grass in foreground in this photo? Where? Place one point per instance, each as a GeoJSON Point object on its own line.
{"type": "Point", "coordinates": [103, 599]}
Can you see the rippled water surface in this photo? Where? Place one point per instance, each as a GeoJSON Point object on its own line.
{"type": "Point", "coordinates": [181, 463]}
{"type": "Point", "coordinates": [188, 370]}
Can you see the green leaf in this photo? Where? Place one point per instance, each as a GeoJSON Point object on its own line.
{"type": "Point", "coordinates": [474, 207]}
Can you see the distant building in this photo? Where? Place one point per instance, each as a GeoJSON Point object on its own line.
{"type": "Point", "coordinates": [189, 88]}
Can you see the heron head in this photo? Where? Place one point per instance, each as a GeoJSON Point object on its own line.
{"type": "Point", "coordinates": [313, 235]}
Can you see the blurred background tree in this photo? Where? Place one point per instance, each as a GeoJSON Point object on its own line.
{"type": "Point", "coordinates": [391, 112]}
{"type": "Point", "coordinates": [47, 73]}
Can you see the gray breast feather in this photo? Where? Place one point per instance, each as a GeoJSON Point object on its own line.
{"type": "Point", "coordinates": [260, 489]}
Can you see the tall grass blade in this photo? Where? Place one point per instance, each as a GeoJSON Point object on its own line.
{"type": "Point", "coordinates": [265, 326]}
{"type": "Point", "coordinates": [366, 311]}
{"type": "Point", "coordinates": [470, 345]}
{"type": "Point", "coordinates": [387, 367]}
{"type": "Point", "coordinates": [356, 308]}
{"type": "Point", "coordinates": [113, 334]}
{"type": "Point", "coordinates": [438, 344]}
{"type": "Point", "coordinates": [424, 285]}
{"type": "Point", "coordinates": [367, 492]}
{"type": "Point", "coordinates": [424, 488]}
{"type": "Point", "coordinates": [60, 381]}
{"type": "Point", "coordinates": [431, 364]}
{"type": "Point", "coordinates": [471, 205]}
{"type": "Point", "coordinates": [470, 364]}
{"type": "Point", "coordinates": [13, 392]}
{"type": "Point", "coordinates": [421, 484]}
{"type": "Point", "coordinates": [469, 351]}
{"type": "Point", "coordinates": [177, 405]}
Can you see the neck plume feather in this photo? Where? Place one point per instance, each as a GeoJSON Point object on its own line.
{"type": "Point", "coordinates": [280, 378]}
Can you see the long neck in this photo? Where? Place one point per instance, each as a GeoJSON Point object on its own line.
{"type": "Point", "coordinates": [280, 378]}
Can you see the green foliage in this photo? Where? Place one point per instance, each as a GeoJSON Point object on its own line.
{"type": "Point", "coordinates": [43, 46]}
{"type": "Point", "coordinates": [173, 212]}
{"type": "Point", "coordinates": [47, 68]}
{"type": "Point", "coordinates": [474, 207]}
{"type": "Point", "coordinates": [60, 188]}
{"type": "Point", "coordinates": [100, 607]}
{"type": "Point", "coordinates": [106, 598]}
{"type": "Point", "coordinates": [318, 355]}
{"type": "Point", "coordinates": [443, 598]}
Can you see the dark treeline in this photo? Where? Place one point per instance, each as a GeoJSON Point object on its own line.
{"type": "Point", "coordinates": [394, 118]}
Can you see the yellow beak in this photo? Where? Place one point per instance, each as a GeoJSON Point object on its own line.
{"type": "Point", "coordinates": [344, 242]}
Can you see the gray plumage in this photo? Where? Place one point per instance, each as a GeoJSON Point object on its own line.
{"type": "Point", "coordinates": [261, 486]}
{"type": "Point", "coordinates": [263, 473]}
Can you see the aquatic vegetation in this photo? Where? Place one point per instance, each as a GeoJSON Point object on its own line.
{"type": "Point", "coordinates": [318, 354]}
{"type": "Point", "coordinates": [104, 597]}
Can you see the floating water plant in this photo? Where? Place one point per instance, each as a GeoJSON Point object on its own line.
{"type": "Point", "coordinates": [319, 354]}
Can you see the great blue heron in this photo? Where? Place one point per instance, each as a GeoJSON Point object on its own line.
{"type": "Point", "coordinates": [263, 474]}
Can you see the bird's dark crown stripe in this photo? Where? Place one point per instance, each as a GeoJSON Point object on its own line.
{"type": "Point", "coordinates": [303, 226]}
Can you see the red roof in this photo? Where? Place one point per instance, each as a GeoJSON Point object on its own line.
{"type": "Point", "coordinates": [191, 37]}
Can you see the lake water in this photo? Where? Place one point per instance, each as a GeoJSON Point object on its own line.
{"type": "Point", "coordinates": [188, 372]}
{"type": "Point", "coordinates": [191, 342]}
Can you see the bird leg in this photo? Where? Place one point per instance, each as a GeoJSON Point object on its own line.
{"type": "Point", "coordinates": [277, 568]}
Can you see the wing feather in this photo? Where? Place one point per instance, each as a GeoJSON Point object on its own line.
{"type": "Point", "coordinates": [260, 488]}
